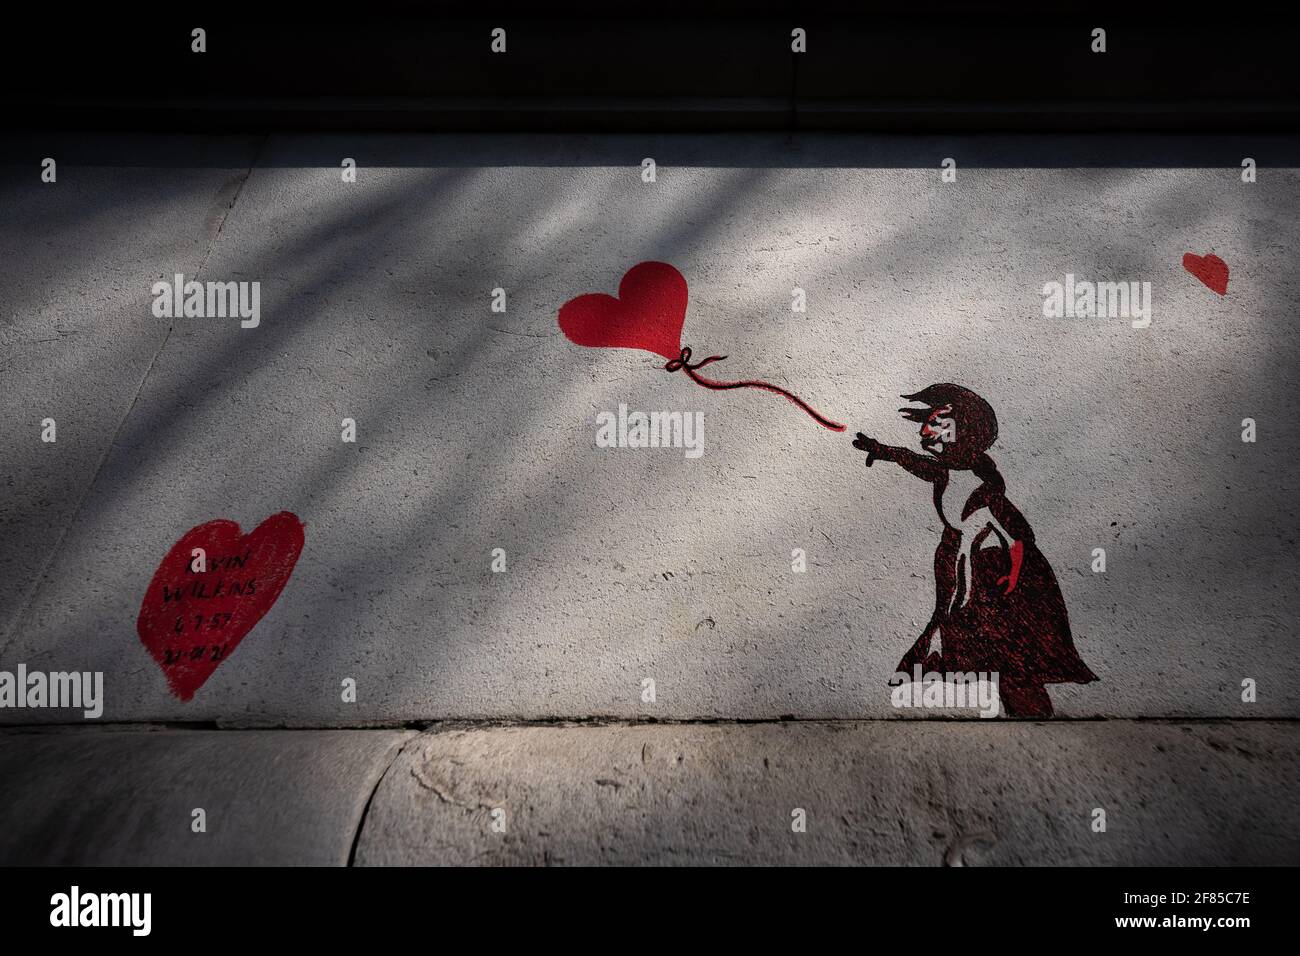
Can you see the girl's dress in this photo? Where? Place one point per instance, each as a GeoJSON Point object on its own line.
{"type": "Point", "coordinates": [1023, 636]}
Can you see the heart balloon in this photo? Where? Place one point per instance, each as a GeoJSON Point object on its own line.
{"type": "Point", "coordinates": [648, 313]}
{"type": "Point", "coordinates": [1210, 269]}
{"type": "Point", "coordinates": [195, 614]}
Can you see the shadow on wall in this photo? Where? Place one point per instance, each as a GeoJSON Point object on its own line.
{"type": "Point", "coordinates": [319, 264]}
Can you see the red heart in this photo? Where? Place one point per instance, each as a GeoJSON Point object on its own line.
{"type": "Point", "coordinates": [1210, 269]}
{"type": "Point", "coordinates": [191, 621]}
{"type": "Point", "coordinates": [648, 313]}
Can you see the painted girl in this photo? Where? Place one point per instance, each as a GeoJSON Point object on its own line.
{"type": "Point", "coordinates": [998, 607]}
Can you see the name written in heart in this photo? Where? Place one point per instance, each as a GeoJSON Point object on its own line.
{"type": "Point", "coordinates": [201, 590]}
{"type": "Point", "coordinates": [208, 590]}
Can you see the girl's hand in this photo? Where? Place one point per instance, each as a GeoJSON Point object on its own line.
{"type": "Point", "coordinates": [1017, 556]}
{"type": "Point", "coordinates": [863, 443]}
{"type": "Point", "coordinates": [869, 445]}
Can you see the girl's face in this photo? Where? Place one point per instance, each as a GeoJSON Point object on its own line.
{"type": "Point", "coordinates": [939, 431]}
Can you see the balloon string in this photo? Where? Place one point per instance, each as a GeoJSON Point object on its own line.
{"type": "Point", "coordinates": [683, 362]}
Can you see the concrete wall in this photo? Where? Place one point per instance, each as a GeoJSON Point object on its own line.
{"type": "Point", "coordinates": [477, 429]}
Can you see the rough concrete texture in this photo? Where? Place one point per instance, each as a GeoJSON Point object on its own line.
{"type": "Point", "coordinates": [928, 794]}
{"type": "Point", "coordinates": [79, 254]}
{"type": "Point", "coordinates": [126, 797]}
{"type": "Point", "coordinates": [476, 430]}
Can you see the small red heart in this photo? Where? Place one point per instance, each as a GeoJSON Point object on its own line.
{"type": "Point", "coordinates": [648, 313]}
{"type": "Point", "coordinates": [191, 621]}
{"type": "Point", "coordinates": [1210, 269]}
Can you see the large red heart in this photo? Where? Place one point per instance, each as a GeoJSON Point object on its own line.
{"type": "Point", "coordinates": [191, 621]}
{"type": "Point", "coordinates": [1210, 269]}
{"type": "Point", "coordinates": [648, 313]}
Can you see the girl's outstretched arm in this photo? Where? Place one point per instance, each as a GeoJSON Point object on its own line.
{"type": "Point", "coordinates": [923, 466]}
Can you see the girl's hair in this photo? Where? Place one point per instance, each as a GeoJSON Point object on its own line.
{"type": "Point", "coordinates": [977, 426]}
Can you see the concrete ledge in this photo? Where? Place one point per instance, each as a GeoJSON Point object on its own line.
{"type": "Point", "coordinates": [126, 797]}
{"type": "Point", "coordinates": [956, 793]}
{"type": "Point", "coordinates": [894, 793]}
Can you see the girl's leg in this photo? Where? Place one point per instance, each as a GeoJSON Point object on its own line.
{"type": "Point", "coordinates": [1024, 700]}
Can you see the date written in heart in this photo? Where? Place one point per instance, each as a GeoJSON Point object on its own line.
{"type": "Point", "coordinates": [199, 624]}
{"type": "Point", "coordinates": [213, 625]}
{"type": "Point", "coordinates": [177, 655]}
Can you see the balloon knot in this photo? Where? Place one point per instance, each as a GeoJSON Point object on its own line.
{"type": "Point", "coordinates": [680, 362]}
{"type": "Point", "coordinates": [683, 361]}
